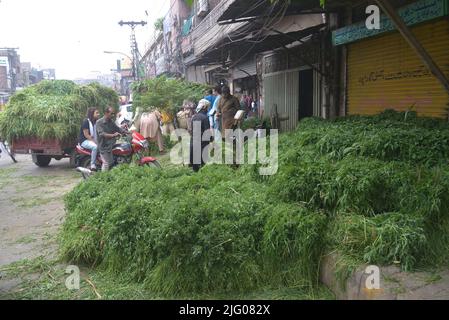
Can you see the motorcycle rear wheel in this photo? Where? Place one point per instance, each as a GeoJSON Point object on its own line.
{"type": "Point", "coordinates": [85, 163]}
{"type": "Point", "coordinates": [154, 164]}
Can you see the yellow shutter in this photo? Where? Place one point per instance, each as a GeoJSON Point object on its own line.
{"type": "Point", "coordinates": [385, 73]}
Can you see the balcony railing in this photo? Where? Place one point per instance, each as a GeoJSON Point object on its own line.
{"type": "Point", "coordinates": [208, 32]}
{"type": "Point", "coordinates": [187, 46]}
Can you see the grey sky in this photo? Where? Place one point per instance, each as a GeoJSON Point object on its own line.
{"type": "Point", "coordinates": [71, 35]}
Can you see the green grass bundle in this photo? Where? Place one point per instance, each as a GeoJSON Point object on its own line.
{"type": "Point", "coordinates": [293, 244]}
{"type": "Point", "coordinates": [166, 94]}
{"type": "Point", "coordinates": [343, 186]}
{"type": "Point", "coordinates": [52, 110]}
{"type": "Point", "coordinates": [391, 136]}
{"type": "Point", "coordinates": [182, 233]}
{"type": "Point", "coordinates": [388, 239]}
{"type": "Point", "coordinates": [367, 167]}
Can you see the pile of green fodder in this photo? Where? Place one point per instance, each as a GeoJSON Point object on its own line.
{"type": "Point", "coordinates": [231, 230]}
{"type": "Point", "coordinates": [382, 180]}
{"type": "Point", "coordinates": [181, 232]}
{"type": "Point", "coordinates": [390, 136]}
{"type": "Point", "coordinates": [166, 94]}
{"type": "Point", "coordinates": [52, 109]}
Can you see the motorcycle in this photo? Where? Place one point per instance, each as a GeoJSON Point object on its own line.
{"type": "Point", "coordinates": [135, 146]}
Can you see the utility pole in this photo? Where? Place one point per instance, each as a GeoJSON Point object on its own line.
{"type": "Point", "coordinates": [134, 49]}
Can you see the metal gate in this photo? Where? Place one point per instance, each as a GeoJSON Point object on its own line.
{"type": "Point", "coordinates": [282, 89]}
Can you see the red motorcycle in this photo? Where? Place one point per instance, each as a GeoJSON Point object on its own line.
{"type": "Point", "coordinates": [135, 146]}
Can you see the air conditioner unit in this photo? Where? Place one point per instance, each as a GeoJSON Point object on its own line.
{"type": "Point", "coordinates": [203, 8]}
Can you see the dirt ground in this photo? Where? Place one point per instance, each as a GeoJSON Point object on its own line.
{"type": "Point", "coordinates": [31, 207]}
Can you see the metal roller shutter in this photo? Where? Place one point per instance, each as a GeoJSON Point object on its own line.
{"type": "Point", "coordinates": [273, 86]}
{"type": "Point", "coordinates": [291, 101]}
{"type": "Point", "coordinates": [385, 73]}
{"type": "Point", "coordinates": [316, 94]}
{"type": "Point", "coordinates": [282, 89]}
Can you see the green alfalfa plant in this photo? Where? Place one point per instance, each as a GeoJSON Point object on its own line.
{"type": "Point", "coordinates": [293, 244]}
{"type": "Point", "coordinates": [390, 238]}
{"type": "Point", "coordinates": [143, 234]}
{"type": "Point", "coordinates": [281, 220]}
{"type": "Point", "coordinates": [385, 137]}
{"type": "Point", "coordinates": [205, 241]}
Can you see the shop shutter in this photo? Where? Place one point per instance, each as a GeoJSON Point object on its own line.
{"type": "Point", "coordinates": [385, 73]}
{"type": "Point", "coordinates": [282, 89]}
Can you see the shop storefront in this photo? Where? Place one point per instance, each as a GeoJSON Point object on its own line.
{"type": "Point", "coordinates": [292, 84]}
{"type": "Point", "coordinates": [383, 71]}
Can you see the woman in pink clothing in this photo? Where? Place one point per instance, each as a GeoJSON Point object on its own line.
{"type": "Point", "coordinates": [150, 128]}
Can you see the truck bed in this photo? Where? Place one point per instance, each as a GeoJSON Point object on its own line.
{"type": "Point", "coordinates": [38, 146]}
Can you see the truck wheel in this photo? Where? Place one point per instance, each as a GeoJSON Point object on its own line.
{"type": "Point", "coordinates": [41, 161]}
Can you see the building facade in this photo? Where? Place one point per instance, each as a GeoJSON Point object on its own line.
{"type": "Point", "coordinates": [10, 70]}
{"type": "Point", "coordinates": [382, 70]}
{"type": "Point", "coordinates": [298, 60]}
{"type": "Point", "coordinates": [164, 55]}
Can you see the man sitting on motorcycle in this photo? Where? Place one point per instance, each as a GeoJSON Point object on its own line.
{"type": "Point", "coordinates": [107, 134]}
{"type": "Point", "coordinates": [88, 135]}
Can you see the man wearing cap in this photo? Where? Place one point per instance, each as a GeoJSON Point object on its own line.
{"type": "Point", "coordinates": [200, 124]}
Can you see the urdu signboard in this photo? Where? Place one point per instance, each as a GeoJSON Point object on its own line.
{"type": "Point", "coordinates": [415, 13]}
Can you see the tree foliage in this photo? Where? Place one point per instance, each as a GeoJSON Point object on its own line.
{"type": "Point", "coordinates": [166, 93]}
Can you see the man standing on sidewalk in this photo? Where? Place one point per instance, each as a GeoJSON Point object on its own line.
{"type": "Point", "coordinates": [107, 134]}
{"type": "Point", "coordinates": [200, 124]}
{"type": "Point", "coordinates": [212, 113]}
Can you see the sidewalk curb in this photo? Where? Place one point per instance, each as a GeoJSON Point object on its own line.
{"type": "Point", "coordinates": [394, 283]}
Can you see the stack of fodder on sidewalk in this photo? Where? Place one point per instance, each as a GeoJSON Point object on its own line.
{"type": "Point", "coordinates": [382, 180]}
{"type": "Point", "coordinates": [184, 233]}
{"type": "Point", "coordinates": [52, 109]}
{"type": "Point", "coordinates": [374, 198]}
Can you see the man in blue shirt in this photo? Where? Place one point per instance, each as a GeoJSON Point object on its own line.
{"type": "Point", "coordinates": [215, 123]}
{"type": "Point", "coordinates": [211, 98]}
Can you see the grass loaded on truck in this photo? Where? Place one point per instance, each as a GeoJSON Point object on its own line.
{"type": "Point", "coordinates": [44, 120]}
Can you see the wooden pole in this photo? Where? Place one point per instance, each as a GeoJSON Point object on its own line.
{"type": "Point", "coordinates": [413, 42]}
